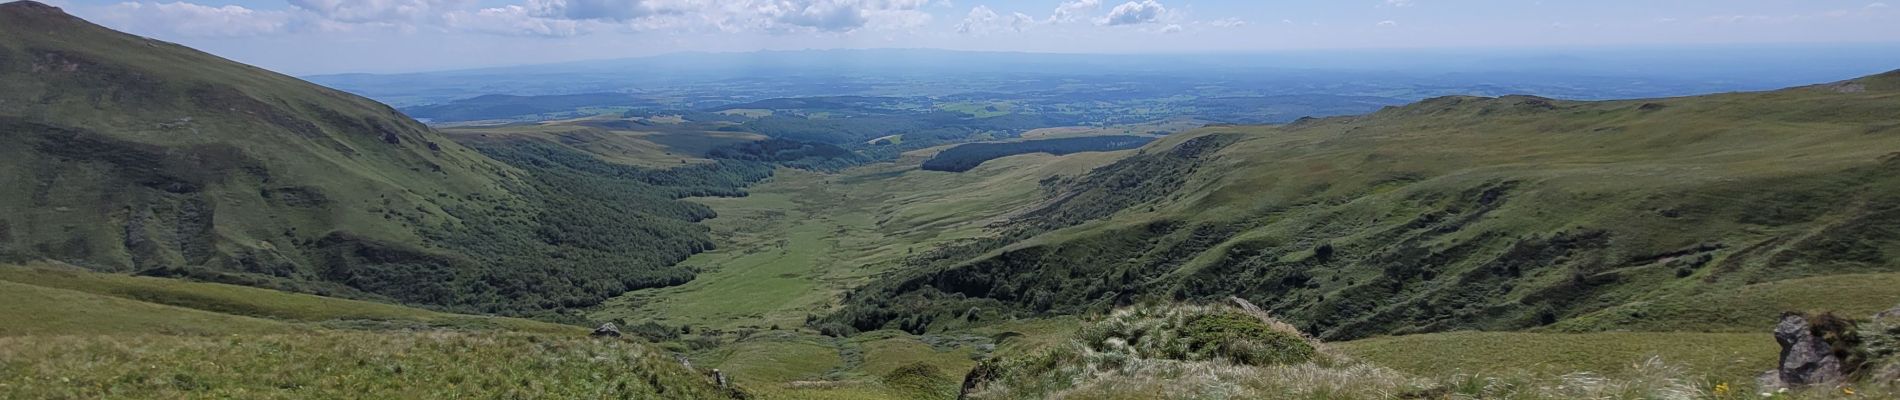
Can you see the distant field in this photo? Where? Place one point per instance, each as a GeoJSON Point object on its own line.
{"type": "Point", "coordinates": [1164, 126]}
{"type": "Point", "coordinates": [660, 147]}
{"type": "Point", "coordinates": [748, 112]}
{"type": "Point", "coordinates": [979, 109]}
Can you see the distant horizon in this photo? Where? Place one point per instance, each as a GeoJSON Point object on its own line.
{"type": "Point", "coordinates": [1574, 51]}
{"type": "Point", "coordinates": [318, 37]}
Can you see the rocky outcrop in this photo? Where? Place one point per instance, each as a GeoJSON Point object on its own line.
{"type": "Point", "coordinates": [1806, 358]}
{"type": "Point", "coordinates": [606, 330]}
{"type": "Point", "coordinates": [1826, 349]}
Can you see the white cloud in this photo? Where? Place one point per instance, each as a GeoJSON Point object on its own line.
{"type": "Point", "coordinates": [606, 10]}
{"type": "Point", "coordinates": [1171, 28]}
{"type": "Point", "coordinates": [1233, 22]}
{"type": "Point", "coordinates": [1133, 13]}
{"type": "Point", "coordinates": [1398, 3]}
{"type": "Point", "coordinates": [1877, 5]}
{"type": "Point", "coordinates": [775, 16]}
{"type": "Point", "coordinates": [194, 20]}
{"type": "Point", "coordinates": [982, 21]}
{"type": "Point", "coordinates": [841, 15]}
{"type": "Point", "coordinates": [371, 11]}
{"type": "Point", "coordinates": [1073, 10]}
{"type": "Point", "coordinates": [514, 20]}
{"type": "Point", "coordinates": [1388, 23]}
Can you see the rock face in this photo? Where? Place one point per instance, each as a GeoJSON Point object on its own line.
{"type": "Point", "coordinates": [607, 330]}
{"type": "Point", "coordinates": [1806, 359]}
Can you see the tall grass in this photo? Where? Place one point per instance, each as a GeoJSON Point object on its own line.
{"type": "Point", "coordinates": [341, 365]}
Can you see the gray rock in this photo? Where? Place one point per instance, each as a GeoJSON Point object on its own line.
{"type": "Point", "coordinates": [1891, 313]}
{"type": "Point", "coordinates": [1805, 358]}
{"type": "Point", "coordinates": [606, 330]}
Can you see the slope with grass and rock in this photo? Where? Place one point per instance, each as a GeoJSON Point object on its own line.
{"type": "Point", "coordinates": [1458, 213]}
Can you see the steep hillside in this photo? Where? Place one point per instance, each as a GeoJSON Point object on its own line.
{"type": "Point", "coordinates": [1454, 213]}
{"type": "Point", "coordinates": [125, 154]}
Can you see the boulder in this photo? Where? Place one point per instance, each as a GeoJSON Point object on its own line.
{"type": "Point", "coordinates": [1806, 359]}
{"type": "Point", "coordinates": [606, 330]}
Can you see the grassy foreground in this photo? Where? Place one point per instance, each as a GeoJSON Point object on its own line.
{"type": "Point", "coordinates": [67, 333]}
{"type": "Point", "coordinates": [1221, 352]}
{"type": "Point", "coordinates": [341, 365]}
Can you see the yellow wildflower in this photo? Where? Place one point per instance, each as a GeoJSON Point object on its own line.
{"type": "Point", "coordinates": [1847, 391]}
{"type": "Point", "coordinates": [1721, 389]}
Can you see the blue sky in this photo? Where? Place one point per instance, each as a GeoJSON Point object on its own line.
{"type": "Point", "coordinates": [329, 36]}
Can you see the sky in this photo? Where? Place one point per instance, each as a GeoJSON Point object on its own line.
{"type": "Point", "coordinates": [337, 36]}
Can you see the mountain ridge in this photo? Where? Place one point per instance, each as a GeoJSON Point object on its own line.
{"type": "Point", "coordinates": [1506, 213]}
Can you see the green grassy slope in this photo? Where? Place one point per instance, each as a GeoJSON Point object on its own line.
{"type": "Point", "coordinates": [125, 154]}
{"type": "Point", "coordinates": [67, 333]}
{"type": "Point", "coordinates": [37, 310]}
{"type": "Point", "coordinates": [209, 307]}
{"type": "Point", "coordinates": [1456, 213]}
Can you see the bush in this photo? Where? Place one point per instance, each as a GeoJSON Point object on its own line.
{"type": "Point", "coordinates": [1199, 333]}
{"type": "Point", "coordinates": [1243, 339]}
{"type": "Point", "coordinates": [653, 331]}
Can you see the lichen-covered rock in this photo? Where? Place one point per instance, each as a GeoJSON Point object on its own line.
{"type": "Point", "coordinates": [1806, 359]}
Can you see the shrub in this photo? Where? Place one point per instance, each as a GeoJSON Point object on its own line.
{"type": "Point", "coordinates": [653, 331]}
{"type": "Point", "coordinates": [1198, 333]}
{"type": "Point", "coordinates": [1243, 339]}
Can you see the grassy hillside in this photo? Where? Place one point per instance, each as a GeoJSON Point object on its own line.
{"type": "Point", "coordinates": [126, 154]}
{"type": "Point", "coordinates": [212, 307]}
{"type": "Point", "coordinates": [1457, 213]}
{"type": "Point", "coordinates": [46, 310]}
{"type": "Point", "coordinates": [68, 333]}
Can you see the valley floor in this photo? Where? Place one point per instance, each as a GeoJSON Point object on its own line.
{"type": "Point", "coordinates": [799, 240]}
